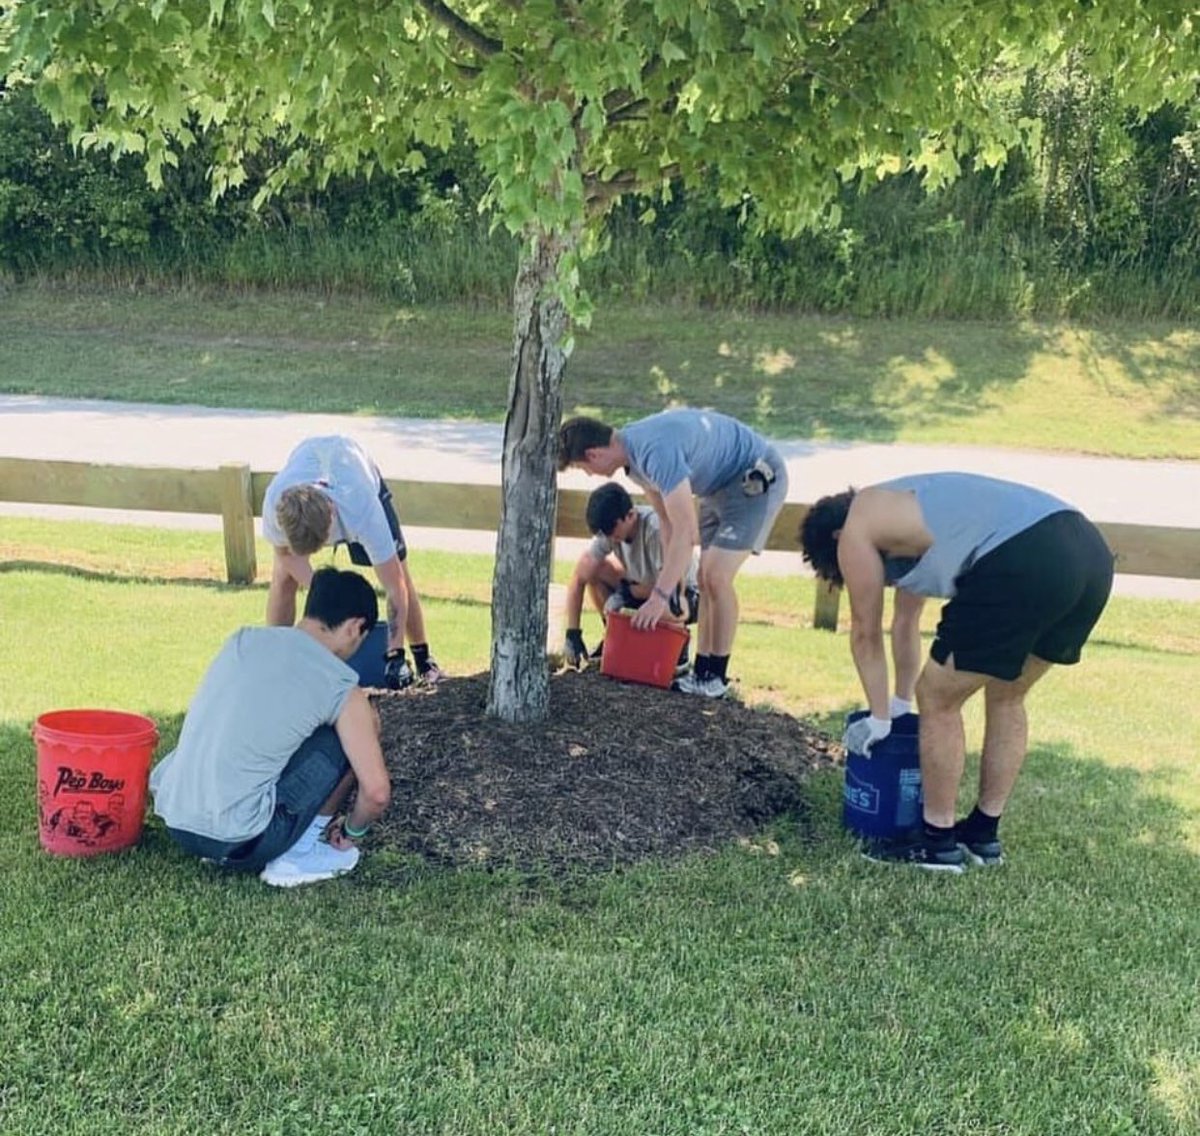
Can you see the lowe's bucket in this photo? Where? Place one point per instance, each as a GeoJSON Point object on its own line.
{"type": "Point", "coordinates": [636, 655]}
{"type": "Point", "coordinates": [93, 767]}
{"type": "Point", "coordinates": [881, 796]}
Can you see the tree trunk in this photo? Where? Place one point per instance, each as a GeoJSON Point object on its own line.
{"type": "Point", "coordinates": [520, 685]}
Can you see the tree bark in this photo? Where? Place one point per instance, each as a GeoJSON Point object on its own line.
{"type": "Point", "coordinates": [520, 677]}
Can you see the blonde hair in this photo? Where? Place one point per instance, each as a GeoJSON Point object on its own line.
{"type": "Point", "coordinates": [306, 516]}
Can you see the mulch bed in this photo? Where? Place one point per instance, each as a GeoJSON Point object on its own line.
{"type": "Point", "coordinates": [617, 774]}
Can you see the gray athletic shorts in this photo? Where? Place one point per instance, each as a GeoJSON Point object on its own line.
{"type": "Point", "coordinates": [731, 519]}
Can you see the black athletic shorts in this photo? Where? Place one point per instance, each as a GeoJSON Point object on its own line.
{"type": "Point", "coordinates": [690, 597]}
{"type": "Point", "coordinates": [1040, 593]}
{"type": "Point", "coordinates": [358, 554]}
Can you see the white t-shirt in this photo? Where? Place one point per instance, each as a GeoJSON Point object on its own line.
{"type": "Point", "coordinates": [342, 470]}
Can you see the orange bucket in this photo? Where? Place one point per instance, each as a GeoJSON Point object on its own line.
{"type": "Point", "coordinates": [93, 767]}
{"type": "Point", "coordinates": [636, 655]}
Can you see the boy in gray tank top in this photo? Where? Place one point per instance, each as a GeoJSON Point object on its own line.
{"type": "Point", "coordinates": [275, 738]}
{"type": "Point", "coordinates": [1026, 576]}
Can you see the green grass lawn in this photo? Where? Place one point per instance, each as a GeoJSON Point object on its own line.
{"type": "Point", "coordinates": [805, 991]}
{"type": "Point", "coordinates": [1128, 389]}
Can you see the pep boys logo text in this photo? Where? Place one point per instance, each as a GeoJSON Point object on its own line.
{"type": "Point", "coordinates": [81, 781]}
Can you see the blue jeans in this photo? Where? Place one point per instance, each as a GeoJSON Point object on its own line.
{"type": "Point", "coordinates": [306, 783]}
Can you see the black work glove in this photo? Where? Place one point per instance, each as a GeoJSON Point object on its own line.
{"type": "Point", "coordinates": [397, 674]}
{"type": "Point", "coordinates": [575, 653]}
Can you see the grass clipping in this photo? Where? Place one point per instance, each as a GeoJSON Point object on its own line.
{"type": "Point", "coordinates": [616, 774]}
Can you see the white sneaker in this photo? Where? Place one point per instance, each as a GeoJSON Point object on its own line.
{"type": "Point", "coordinates": [685, 683]}
{"type": "Point", "coordinates": [710, 687]}
{"type": "Point", "coordinates": [320, 862]}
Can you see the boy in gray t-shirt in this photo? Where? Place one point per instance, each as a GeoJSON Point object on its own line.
{"type": "Point", "coordinates": [619, 567]}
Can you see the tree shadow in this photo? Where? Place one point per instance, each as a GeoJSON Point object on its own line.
{"type": "Point", "coordinates": [843, 378]}
{"type": "Point", "coordinates": [111, 576]}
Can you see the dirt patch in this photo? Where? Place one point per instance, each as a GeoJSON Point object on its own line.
{"type": "Point", "coordinates": [618, 773]}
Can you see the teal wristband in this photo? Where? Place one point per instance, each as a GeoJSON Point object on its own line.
{"type": "Point", "coordinates": [355, 833]}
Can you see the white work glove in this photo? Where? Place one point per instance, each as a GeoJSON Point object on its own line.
{"type": "Point", "coordinates": [863, 733]}
{"type": "Point", "coordinates": [615, 602]}
{"type": "Point", "coordinates": [621, 598]}
{"type": "Point", "coordinates": [900, 706]}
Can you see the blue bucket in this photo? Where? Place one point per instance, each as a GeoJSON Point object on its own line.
{"type": "Point", "coordinates": [367, 661]}
{"type": "Point", "coordinates": [881, 796]}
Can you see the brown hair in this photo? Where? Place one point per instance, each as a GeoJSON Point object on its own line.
{"type": "Point", "coordinates": [306, 516]}
{"type": "Point", "coordinates": [578, 435]}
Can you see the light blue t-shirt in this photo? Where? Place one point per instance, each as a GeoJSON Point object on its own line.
{"type": "Point", "coordinates": [267, 691]}
{"type": "Point", "coordinates": [344, 472]}
{"type": "Point", "coordinates": [711, 450]}
{"type": "Point", "coordinates": [968, 516]}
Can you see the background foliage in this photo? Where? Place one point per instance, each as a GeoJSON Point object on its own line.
{"type": "Point", "coordinates": [1101, 218]}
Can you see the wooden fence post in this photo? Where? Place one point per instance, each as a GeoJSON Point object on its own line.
{"type": "Point", "coordinates": [825, 613]}
{"type": "Point", "coordinates": [237, 511]}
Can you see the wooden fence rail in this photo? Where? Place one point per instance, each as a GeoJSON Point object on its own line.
{"type": "Point", "coordinates": [236, 493]}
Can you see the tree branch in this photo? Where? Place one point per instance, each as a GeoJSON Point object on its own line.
{"type": "Point", "coordinates": [600, 192]}
{"type": "Point", "coordinates": [465, 31]}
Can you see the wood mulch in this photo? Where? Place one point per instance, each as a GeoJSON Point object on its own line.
{"type": "Point", "coordinates": [617, 774]}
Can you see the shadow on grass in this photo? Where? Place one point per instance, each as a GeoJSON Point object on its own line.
{"type": "Point", "coordinates": [842, 378]}
{"type": "Point", "coordinates": [111, 576]}
{"type": "Point", "coordinates": [812, 377]}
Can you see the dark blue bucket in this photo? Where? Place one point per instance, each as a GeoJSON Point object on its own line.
{"type": "Point", "coordinates": [368, 659]}
{"type": "Point", "coordinates": [881, 796]}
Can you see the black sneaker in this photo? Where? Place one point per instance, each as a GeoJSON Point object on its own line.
{"type": "Point", "coordinates": [913, 850]}
{"type": "Point", "coordinates": [598, 650]}
{"type": "Point", "coordinates": [986, 853]}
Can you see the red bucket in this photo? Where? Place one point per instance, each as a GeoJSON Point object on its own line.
{"type": "Point", "coordinates": [93, 767]}
{"type": "Point", "coordinates": [637, 655]}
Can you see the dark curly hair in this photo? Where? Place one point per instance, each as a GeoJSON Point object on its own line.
{"type": "Point", "coordinates": [817, 539]}
{"type": "Point", "coordinates": [606, 506]}
{"type": "Point", "coordinates": [578, 435]}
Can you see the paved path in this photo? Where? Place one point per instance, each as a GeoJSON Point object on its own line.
{"type": "Point", "coordinates": [1145, 492]}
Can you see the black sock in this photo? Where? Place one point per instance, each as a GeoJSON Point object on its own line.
{"type": "Point", "coordinates": [717, 666]}
{"type": "Point", "coordinates": [937, 837]}
{"type": "Point", "coordinates": [979, 826]}
{"type": "Point", "coordinates": [702, 667]}
{"type": "Point", "coordinates": [420, 655]}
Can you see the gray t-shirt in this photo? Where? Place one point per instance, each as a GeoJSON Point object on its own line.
{"type": "Point", "coordinates": [344, 472]}
{"type": "Point", "coordinates": [969, 516]}
{"type": "Point", "coordinates": [711, 450]}
{"type": "Point", "coordinates": [643, 555]}
{"type": "Point", "coordinates": [267, 690]}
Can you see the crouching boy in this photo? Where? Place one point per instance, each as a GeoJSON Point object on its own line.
{"type": "Point", "coordinates": [277, 735]}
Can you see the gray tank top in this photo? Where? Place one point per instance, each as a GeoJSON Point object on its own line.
{"type": "Point", "coordinates": [968, 515]}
